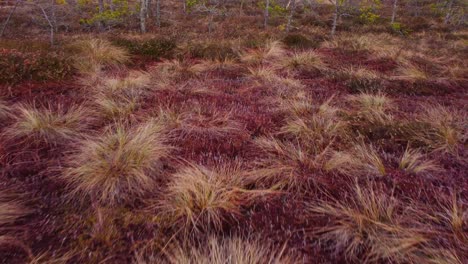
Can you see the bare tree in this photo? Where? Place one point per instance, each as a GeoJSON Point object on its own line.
{"type": "Point", "coordinates": [394, 10]}
{"type": "Point", "coordinates": [266, 13]}
{"type": "Point", "coordinates": [9, 17]}
{"type": "Point", "coordinates": [143, 11]}
{"type": "Point", "coordinates": [292, 7]}
{"type": "Point", "coordinates": [101, 11]}
{"type": "Point", "coordinates": [449, 12]}
{"type": "Point", "coordinates": [49, 21]}
{"type": "Point", "coordinates": [336, 14]}
{"type": "Point", "coordinates": [158, 13]}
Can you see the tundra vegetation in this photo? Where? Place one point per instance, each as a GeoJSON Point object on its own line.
{"type": "Point", "coordinates": [233, 131]}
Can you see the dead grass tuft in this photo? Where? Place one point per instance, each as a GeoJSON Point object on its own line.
{"type": "Point", "coordinates": [49, 125]}
{"type": "Point", "coordinates": [198, 197]}
{"type": "Point", "coordinates": [413, 161]}
{"type": "Point", "coordinates": [4, 110]}
{"type": "Point", "coordinates": [271, 52]}
{"type": "Point", "coordinates": [368, 227]}
{"type": "Point", "coordinates": [232, 249]}
{"type": "Point", "coordinates": [360, 160]}
{"type": "Point", "coordinates": [303, 61]}
{"type": "Point", "coordinates": [120, 165]}
{"type": "Point", "coordinates": [440, 129]}
{"type": "Point", "coordinates": [10, 209]}
{"type": "Point", "coordinates": [92, 55]}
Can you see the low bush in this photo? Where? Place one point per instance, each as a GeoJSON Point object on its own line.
{"type": "Point", "coordinates": [154, 48]}
{"type": "Point", "coordinates": [300, 41]}
{"type": "Point", "coordinates": [210, 50]}
{"type": "Point", "coordinates": [18, 66]}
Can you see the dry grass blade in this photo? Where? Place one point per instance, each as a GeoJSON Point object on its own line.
{"type": "Point", "coordinates": [368, 226]}
{"type": "Point", "coordinates": [360, 160]}
{"type": "Point", "coordinates": [120, 165]}
{"type": "Point", "coordinates": [413, 161]}
{"type": "Point", "coordinates": [95, 54]}
{"type": "Point", "coordinates": [48, 125]}
{"type": "Point", "coordinates": [198, 197]}
{"type": "Point", "coordinates": [234, 249]}
{"type": "Point", "coordinates": [440, 129]}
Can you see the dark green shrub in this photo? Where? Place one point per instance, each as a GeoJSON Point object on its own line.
{"type": "Point", "coordinates": [300, 41]}
{"type": "Point", "coordinates": [211, 51]}
{"type": "Point", "coordinates": [18, 66]}
{"type": "Point", "coordinates": [154, 48]}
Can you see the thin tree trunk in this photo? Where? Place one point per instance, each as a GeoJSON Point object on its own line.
{"type": "Point", "coordinates": [267, 13]}
{"type": "Point", "coordinates": [449, 12]}
{"type": "Point", "coordinates": [291, 13]}
{"type": "Point", "coordinates": [143, 16]}
{"type": "Point", "coordinates": [158, 13]}
{"type": "Point", "coordinates": [52, 31]}
{"type": "Point", "coordinates": [335, 17]}
{"type": "Point", "coordinates": [395, 5]}
{"type": "Point", "coordinates": [101, 11]}
{"type": "Point", "coordinates": [9, 17]}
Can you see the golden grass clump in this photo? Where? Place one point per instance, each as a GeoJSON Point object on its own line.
{"type": "Point", "coordinates": [49, 125]}
{"type": "Point", "coordinates": [4, 110]}
{"type": "Point", "coordinates": [303, 61]}
{"type": "Point", "coordinates": [372, 108]}
{"type": "Point", "coordinates": [267, 76]}
{"type": "Point", "coordinates": [119, 165]}
{"type": "Point", "coordinates": [179, 70]}
{"type": "Point", "coordinates": [379, 45]}
{"type": "Point", "coordinates": [116, 107]}
{"type": "Point", "coordinates": [283, 164]}
{"type": "Point", "coordinates": [228, 250]}
{"type": "Point", "coordinates": [360, 160]}
{"type": "Point", "coordinates": [368, 227]}
{"type": "Point", "coordinates": [198, 197]}
{"type": "Point", "coordinates": [410, 72]}
{"type": "Point", "coordinates": [10, 210]}
{"type": "Point", "coordinates": [440, 129]}
{"type": "Point", "coordinates": [136, 82]}
{"type": "Point", "coordinates": [92, 55]}
{"type": "Point", "coordinates": [213, 124]}
{"type": "Point", "coordinates": [271, 52]}
{"type": "Point", "coordinates": [413, 161]}
{"type": "Point", "coordinates": [316, 127]}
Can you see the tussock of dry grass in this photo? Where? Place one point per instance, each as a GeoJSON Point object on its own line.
{"type": "Point", "coordinates": [4, 110]}
{"type": "Point", "coordinates": [10, 210]}
{"type": "Point", "coordinates": [379, 45]}
{"type": "Point", "coordinates": [360, 160]}
{"type": "Point", "coordinates": [117, 107]}
{"type": "Point", "coordinates": [372, 109]}
{"type": "Point", "coordinates": [95, 54]}
{"type": "Point", "coordinates": [135, 83]}
{"type": "Point", "coordinates": [440, 129]}
{"type": "Point", "coordinates": [454, 215]}
{"type": "Point", "coordinates": [410, 72]}
{"type": "Point", "coordinates": [268, 76]}
{"type": "Point", "coordinates": [303, 61]}
{"type": "Point", "coordinates": [179, 70]}
{"type": "Point", "coordinates": [370, 227]}
{"type": "Point", "coordinates": [120, 165]}
{"type": "Point", "coordinates": [413, 161]}
{"type": "Point", "coordinates": [283, 163]}
{"type": "Point", "coordinates": [118, 98]}
{"type": "Point", "coordinates": [49, 125]}
{"type": "Point", "coordinates": [315, 126]}
{"type": "Point", "coordinates": [198, 197]}
{"type": "Point", "coordinates": [272, 52]}
{"type": "Point", "coordinates": [228, 250]}
{"type": "Point", "coordinates": [209, 123]}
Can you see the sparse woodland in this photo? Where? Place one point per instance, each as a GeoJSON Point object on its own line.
{"type": "Point", "coordinates": [233, 131]}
